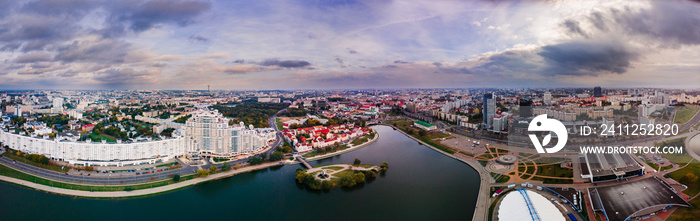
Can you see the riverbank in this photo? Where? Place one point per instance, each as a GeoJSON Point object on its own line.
{"type": "Point", "coordinates": [318, 157]}
{"type": "Point", "coordinates": [159, 189]}
{"type": "Point", "coordinates": [482, 200]}
{"type": "Point", "coordinates": [135, 193]}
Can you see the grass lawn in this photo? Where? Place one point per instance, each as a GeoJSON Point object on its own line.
{"type": "Point", "coordinates": [680, 159]}
{"type": "Point", "coordinates": [6, 171]}
{"type": "Point", "coordinates": [279, 124]}
{"type": "Point", "coordinates": [435, 135]}
{"type": "Point", "coordinates": [554, 170]}
{"type": "Point", "coordinates": [694, 187]}
{"type": "Point", "coordinates": [500, 178]}
{"type": "Point", "coordinates": [521, 167]}
{"type": "Point", "coordinates": [405, 125]}
{"type": "Point", "coordinates": [364, 166]}
{"type": "Point", "coordinates": [683, 213]}
{"type": "Point", "coordinates": [333, 168]}
{"type": "Point", "coordinates": [56, 168]}
{"type": "Point", "coordinates": [99, 137]}
{"type": "Point", "coordinates": [466, 153]}
{"type": "Point", "coordinates": [361, 140]}
{"type": "Point", "coordinates": [401, 122]}
{"type": "Point", "coordinates": [167, 164]}
{"type": "Point", "coordinates": [500, 151]}
{"type": "Point", "coordinates": [684, 114]}
{"type": "Point", "coordinates": [553, 181]}
{"type": "Point", "coordinates": [221, 159]}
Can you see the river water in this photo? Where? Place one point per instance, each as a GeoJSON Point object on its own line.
{"type": "Point", "coordinates": [421, 184]}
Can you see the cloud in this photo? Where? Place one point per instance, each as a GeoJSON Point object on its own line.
{"type": "Point", "coordinates": [244, 69]}
{"type": "Point", "coordinates": [141, 17]}
{"type": "Point", "coordinates": [33, 57]}
{"type": "Point", "coordinates": [586, 58]}
{"type": "Point", "coordinates": [115, 77]}
{"type": "Point", "coordinates": [197, 38]}
{"type": "Point", "coordinates": [572, 27]}
{"type": "Point", "coordinates": [94, 49]}
{"type": "Point", "coordinates": [285, 63]}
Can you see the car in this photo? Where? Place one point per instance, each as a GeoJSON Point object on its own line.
{"type": "Point", "coordinates": [138, 173]}
{"type": "Point", "coordinates": [66, 173]}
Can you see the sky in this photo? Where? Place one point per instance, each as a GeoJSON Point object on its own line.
{"type": "Point", "coordinates": [329, 44]}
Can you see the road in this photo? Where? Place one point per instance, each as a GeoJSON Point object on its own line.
{"type": "Point", "coordinates": [94, 179]}
{"type": "Point", "coordinates": [130, 179]}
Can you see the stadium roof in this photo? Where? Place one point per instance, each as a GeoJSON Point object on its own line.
{"type": "Point", "coordinates": [609, 164]}
{"type": "Point", "coordinates": [519, 206]}
{"type": "Point", "coordinates": [622, 201]}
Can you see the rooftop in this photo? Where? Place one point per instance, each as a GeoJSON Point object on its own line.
{"type": "Point", "coordinates": [425, 124]}
{"type": "Point", "coordinates": [610, 164]}
{"type": "Point", "coordinates": [624, 200]}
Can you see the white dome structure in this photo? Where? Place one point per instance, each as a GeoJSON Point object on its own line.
{"type": "Point", "coordinates": [522, 205]}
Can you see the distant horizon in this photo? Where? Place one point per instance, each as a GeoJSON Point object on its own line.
{"type": "Point", "coordinates": [355, 44]}
{"type": "Point", "coordinates": [357, 89]}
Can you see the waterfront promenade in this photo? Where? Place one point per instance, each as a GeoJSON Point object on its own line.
{"type": "Point", "coordinates": [136, 193]}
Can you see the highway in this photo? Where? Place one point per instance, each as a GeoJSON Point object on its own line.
{"type": "Point", "coordinates": [116, 179]}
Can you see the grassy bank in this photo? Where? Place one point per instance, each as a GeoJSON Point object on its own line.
{"type": "Point", "coordinates": [405, 125]}
{"type": "Point", "coordinates": [684, 114]}
{"type": "Point", "coordinates": [9, 172]}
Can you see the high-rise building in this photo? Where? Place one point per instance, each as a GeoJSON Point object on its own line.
{"type": "Point", "coordinates": [597, 92]}
{"type": "Point", "coordinates": [489, 109]}
{"type": "Point", "coordinates": [525, 107]}
{"type": "Point", "coordinates": [208, 132]}
{"type": "Point", "coordinates": [57, 105]}
{"type": "Point", "coordinates": [547, 98]}
{"type": "Point", "coordinates": [18, 110]}
{"type": "Point", "coordinates": [411, 107]}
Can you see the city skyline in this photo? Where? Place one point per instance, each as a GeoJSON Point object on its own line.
{"type": "Point", "coordinates": [347, 44]}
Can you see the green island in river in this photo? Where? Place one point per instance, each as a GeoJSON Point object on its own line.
{"type": "Point", "coordinates": [339, 175]}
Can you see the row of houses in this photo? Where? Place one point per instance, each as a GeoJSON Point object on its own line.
{"type": "Point", "coordinates": [308, 138]}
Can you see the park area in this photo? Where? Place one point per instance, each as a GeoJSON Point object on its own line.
{"type": "Point", "coordinates": [685, 113]}
{"type": "Point", "coordinates": [430, 137]}
{"type": "Point", "coordinates": [339, 175]}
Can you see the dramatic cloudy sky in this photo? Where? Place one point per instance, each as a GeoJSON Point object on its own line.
{"type": "Point", "coordinates": [325, 44]}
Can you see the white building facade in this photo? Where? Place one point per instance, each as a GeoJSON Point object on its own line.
{"type": "Point", "coordinates": [206, 133]}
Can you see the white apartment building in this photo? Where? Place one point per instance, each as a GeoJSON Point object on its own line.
{"type": "Point", "coordinates": [206, 133]}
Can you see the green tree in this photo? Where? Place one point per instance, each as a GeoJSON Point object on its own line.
{"type": "Point", "coordinates": [276, 156]}
{"type": "Point", "coordinates": [422, 133]}
{"type": "Point", "coordinates": [226, 167]}
{"type": "Point", "coordinates": [359, 177]}
{"type": "Point", "coordinates": [255, 160]}
{"type": "Point", "coordinates": [326, 185]}
{"type": "Point", "coordinates": [176, 177]}
{"type": "Point", "coordinates": [347, 181]}
{"type": "Point", "coordinates": [356, 162]}
{"type": "Point", "coordinates": [202, 173]}
{"type": "Point", "coordinates": [384, 167]}
{"type": "Point", "coordinates": [688, 178]}
{"type": "Point", "coordinates": [212, 169]}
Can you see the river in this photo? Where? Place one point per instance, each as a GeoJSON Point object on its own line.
{"type": "Point", "coordinates": [421, 184]}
